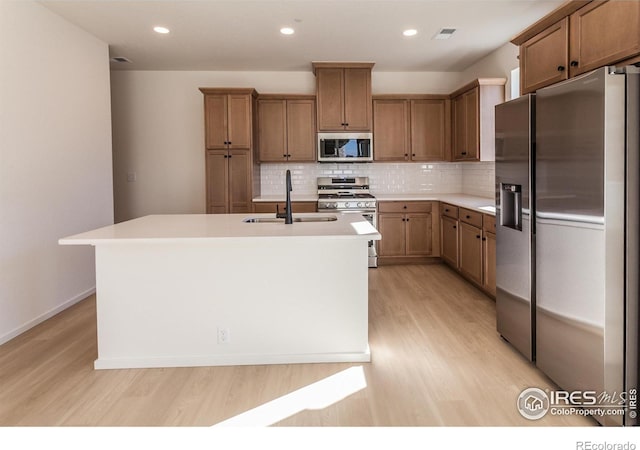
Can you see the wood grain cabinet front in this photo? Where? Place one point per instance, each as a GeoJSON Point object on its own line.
{"type": "Point", "coordinates": [409, 230]}
{"type": "Point", "coordinates": [577, 37]}
{"type": "Point", "coordinates": [411, 129]}
{"type": "Point", "coordinates": [286, 128]}
{"type": "Point", "coordinates": [473, 119]}
{"type": "Point", "coordinates": [229, 117]}
{"type": "Point", "coordinates": [297, 207]}
{"type": "Point", "coordinates": [344, 96]}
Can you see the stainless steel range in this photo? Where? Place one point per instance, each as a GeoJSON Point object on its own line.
{"type": "Point", "coordinates": [349, 195]}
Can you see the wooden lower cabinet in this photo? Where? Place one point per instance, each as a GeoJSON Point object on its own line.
{"type": "Point", "coordinates": [297, 207]}
{"type": "Point", "coordinates": [449, 241]}
{"type": "Point", "coordinates": [489, 263]}
{"type": "Point", "coordinates": [468, 245]}
{"type": "Point", "coordinates": [410, 232]}
{"type": "Point", "coordinates": [471, 252]}
{"type": "Point", "coordinates": [228, 181]}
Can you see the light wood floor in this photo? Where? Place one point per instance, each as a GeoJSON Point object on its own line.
{"type": "Point", "coordinates": [436, 360]}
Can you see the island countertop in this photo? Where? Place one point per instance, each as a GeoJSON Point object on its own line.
{"type": "Point", "coordinates": [206, 227]}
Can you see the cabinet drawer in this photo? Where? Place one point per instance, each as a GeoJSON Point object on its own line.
{"type": "Point", "coordinates": [489, 223]}
{"type": "Point", "coordinates": [297, 207]}
{"type": "Point", "coordinates": [449, 210]}
{"type": "Point", "coordinates": [471, 217]}
{"type": "Point", "coordinates": [404, 207]}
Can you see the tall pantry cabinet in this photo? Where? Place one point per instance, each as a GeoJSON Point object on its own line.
{"type": "Point", "coordinates": [232, 173]}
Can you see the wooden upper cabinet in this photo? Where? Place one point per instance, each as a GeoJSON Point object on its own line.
{"type": "Point", "coordinates": [272, 130]}
{"type": "Point", "coordinates": [286, 129]}
{"type": "Point", "coordinates": [603, 33]}
{"type": "Point", "coordinates": [216, 121]}
{"type": "Point", "coordinates": [410, 128]}
{"type": "Point", "coordinates": [429, 130]}
{"type": "Point", "coordinates": [577, 37]}
{"type": "Point", "coordinates": [343, 96]}
{"type": "Point", "coordinates": [544, 59]}
{"type": "Point", "coordinates": [357, 99]}
{"type": "Point", "coordinates": [391, 130]}
{"type": "Point", "coordinates": [301, 130]}
{"type": "Point", "coordinates": [228, 121]}
{"type": "Point", "coordinates": [473, 119]}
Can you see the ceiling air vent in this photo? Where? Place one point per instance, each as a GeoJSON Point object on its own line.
{"type": "Point", "coordinates": [120, 59]}
{"type": "Point", "coordinates": [445, 33]}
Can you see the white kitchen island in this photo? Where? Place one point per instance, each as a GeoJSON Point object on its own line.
{"type": "Point", "coordinates": [206, 290]}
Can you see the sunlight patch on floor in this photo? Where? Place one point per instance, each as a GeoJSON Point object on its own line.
{"type": "Point", "coordinates": [317, 395]}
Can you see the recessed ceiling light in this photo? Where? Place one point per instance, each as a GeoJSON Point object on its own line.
{"type": "Point", "coordinates": [120, 59]}
{"type": "Point", "coordinates": [444, 33]}
{"type": "Point", "coordinates": [287, 30]}
{"type": "Point", "coordinates": [161, 30]}
{"type": "Point", "coordinates": [410, 32]}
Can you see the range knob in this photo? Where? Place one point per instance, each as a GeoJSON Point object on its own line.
{"type": "Point", "coordinates": [347, 205]}
{"type": "Point", "coordinates": [360, 204]}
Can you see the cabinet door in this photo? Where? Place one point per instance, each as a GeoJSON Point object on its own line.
{"type": "Point", "coordinates": [390, 130]}
{"type": "Point", "coordinates": [603, 33]}
{"type": "Point", "coordinates": [419, 235]}
{"type": "Point", "coordinates": [472, 124]}
{"type": "Point", "coordinates": [330, 88]}
{"type": "Point", "coordinates": [544, 58]}
{"type": "Point", "coordinates": [428, 130]}
{"type": "Point", "coordinates": [215, 114]}
{"type": "Point", "coordinates": [449, 240]}
{"type": "Point", "coordinates": [217, 182]}
{"type": "Point", "coordinates": [240, 200]}
{"type": "Point", "coordinates": [489, 263]}
{"type": "Point", "coordinates": [239, 121]}
{"type": "Point", "coordinates": [459, 127]}
{"type": "Point", "coordinates": [357, 99]}
{"type": "Point", "coordinates": [272, 132]}
{"type": "Point", "coordinates": [301, 130]}
{"type": "Point", "coordinates": [392, 229]}
{"type": "Point", "coordinates": [471, 252]}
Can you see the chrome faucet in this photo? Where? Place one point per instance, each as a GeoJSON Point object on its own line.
{"type": "Point", "coordinates": [287, 215]}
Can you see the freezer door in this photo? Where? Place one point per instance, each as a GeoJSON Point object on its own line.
{"type": "Point", "coordinates": [580, 194]}
{"type": "Point", "coordinates": [514, 297]}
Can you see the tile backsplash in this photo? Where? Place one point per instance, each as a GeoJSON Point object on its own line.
{"type": "Point", "coordinates": [386, 178]}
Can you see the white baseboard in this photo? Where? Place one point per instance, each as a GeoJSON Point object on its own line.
{"type": "Point", "coordinates": [47, 315]}
{"type": "Point", "coordinates": [229, 360]}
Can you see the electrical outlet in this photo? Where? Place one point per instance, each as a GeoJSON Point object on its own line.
{"type": "Point", "coordinates": [131, 177]}
{"type": "Point", "coordinates": [224, 336]}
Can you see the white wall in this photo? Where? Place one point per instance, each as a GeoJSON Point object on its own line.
{"type": "Point", "coordinates": [497, 64]}
{"type": "Point", "coordinates": [158, 129]}
{"type": "Point", "coordinates": [55, 161]}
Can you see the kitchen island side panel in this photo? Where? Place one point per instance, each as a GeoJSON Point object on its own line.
{"type": "Point", "coordinates": [162, 304]}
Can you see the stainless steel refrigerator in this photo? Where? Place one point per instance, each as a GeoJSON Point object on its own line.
{"type": "Point", "coordinates": [586, 233]}
{"type": "Point", "coordinates": [515, 299]}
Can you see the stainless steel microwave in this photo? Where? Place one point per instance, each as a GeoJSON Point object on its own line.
{"type": "Point", "coordinates": [345, 147]}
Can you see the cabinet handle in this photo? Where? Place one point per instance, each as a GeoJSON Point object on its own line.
{"type": "Point", "coordinates": [463, 153]}
{"type": "Point", "coordinates": [477, 236]}
{"type": "Point", "coordinates": [560, 68]}
{"type": "Point", "coordinates": [446, 210]}
{"type": "Point", "coordinates": [454, 227]}
{"type": "Point", "coordinates": [574, 63]}
{"type": "Point", "coordinates": [413, 154]}
{"type": "Point", "coordinates": [405, 206]}
{"type": "Point", "coordinates": [230, 156]}
{"type": "Point", "coordinates": [484, 238]}
{"type": "Point", "coordinates": [407, 220]}
{"type": "Point", "coordinates": [226, 156]}
{"type": "Point", "coordinates": [468, 217]}
{"type": "Point", "coordinates": [403, 219]}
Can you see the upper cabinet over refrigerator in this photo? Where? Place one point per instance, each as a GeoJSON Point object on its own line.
{"type": "Point", "coordinates": [514, 205]}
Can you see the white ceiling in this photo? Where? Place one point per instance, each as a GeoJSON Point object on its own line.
{"type": "Point", "coordinates": [244, 34]}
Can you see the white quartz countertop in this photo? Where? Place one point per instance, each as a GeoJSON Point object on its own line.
{"type": "Point", "coordinates": [480, 204]}
{"type": "Point", "coordinates": [209, 227]}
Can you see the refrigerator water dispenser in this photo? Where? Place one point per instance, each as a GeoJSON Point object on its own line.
{"type": "Point", "coordinates": [511, 206]}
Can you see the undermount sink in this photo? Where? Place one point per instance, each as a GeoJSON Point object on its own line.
{"type": "Point", "coordinates": [295, 219]}
{"type": "Point", "coordinates": [488, 208]}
